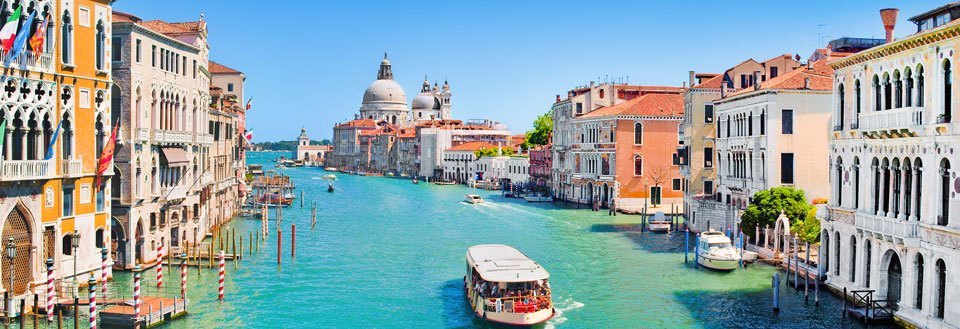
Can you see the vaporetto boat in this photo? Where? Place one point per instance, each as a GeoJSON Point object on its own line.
{"type": "Point", "coordinates": [505, 286]}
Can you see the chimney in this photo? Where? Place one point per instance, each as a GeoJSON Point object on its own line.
{"type": "Point", "coordinates": [756, 80]}
{"type": "Point", "coordinates": [889, 17]}
{"type": "Point", "coordinates": [558, 98]}
{"type": "Point", "coordinates": [692, 76]}
{"type": "Point", "coordinates": [806, 83]}
{"type": "Point", "coordinates": [723, 89]}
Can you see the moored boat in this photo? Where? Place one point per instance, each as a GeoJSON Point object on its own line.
{"type": "Point", "coordinates": [538, 198]}
{"type": "Point", "coordinates": [415, 181]}
{"type": "Point", "coordinates": [659, 223]}
{"type": "Point", "coordinates": [473, 199]}
{"type": "Point", "coordinates": [333, 169]}
{"type": "Point", "coordinates": [505, 286]}
{"type": "Point", "coordinates": [716, 252]}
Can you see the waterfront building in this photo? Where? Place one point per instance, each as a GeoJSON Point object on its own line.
{"type": "Point", "coordinates": [627, 152]}
{"type": "Point", "coordinates": [48, 194]}
{"type": "Point", "coordinates": [561, 166]}
{"type": "Point", "coordinates": [541, 162]}
{"type": "Point", "coordinates": [439, 135]}
{"type": "Point", "coordinates": [500, 169]}
{"type": "Point", "coordinates": [226, 192]}
{"type": "Point", "coordinates": [160, 93]}
{"type": "Point", "coordinates": [891, 224]}
{"type": "Point", "coordinates": [310, 153]}
{"type": "Point", "coordinates": [231, 82]}
{"type": "Point", "coordinates": [457, 160]}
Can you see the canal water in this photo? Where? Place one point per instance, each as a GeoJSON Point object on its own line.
{"type": "Point", "coordinates": [389, 254]}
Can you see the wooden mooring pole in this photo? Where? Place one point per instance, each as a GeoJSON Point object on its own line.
{"type": "Point", "coordinates": [776, 292]}
{"type": "Point", "coordinates": [293, 241]}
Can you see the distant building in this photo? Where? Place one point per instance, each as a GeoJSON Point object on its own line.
{"type": "Point", "coordinates": [457, 160]}
{"type": "Point", "coordinates": [307, 152]}
{"type": "Point", "coordinates": [541, 163]}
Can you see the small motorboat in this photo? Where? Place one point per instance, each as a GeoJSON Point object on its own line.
{"type": "Point", "coordinates": [473, 199]}
{"type": "Point", "coordinates": [537, 198]}
{"type": "Point", "coordinates": [750, 256]}
{"type": "Point", "coordinates": [716, 252]}
{"type": "Point", "coordinates": [659, 223]}
{"type": "Point", "coordinates": [330, 187]}
{"type": "Point", "coordinates": [415, 181]}
{"type": "Point", "coordinates": [333, 169]}
{"type": "Point", "coordinates": [330, 177]}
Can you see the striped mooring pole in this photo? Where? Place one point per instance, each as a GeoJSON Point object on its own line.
{"type": "Point", "coordinates": [49, 289]}
{"type": "Point", "coordinates": [183, 277]}
{"type": "Point", "coordinates": [222, 265]}
{"type": "Point", "coordinates": [160, 265]}
{"type": "Point", "coordinates": [93, 302]}
{"type": "Point", "coordinates": [103, 271]}
{"type": "Point", "coordinates": [136, 295]}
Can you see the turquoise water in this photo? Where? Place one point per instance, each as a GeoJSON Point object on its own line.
{"type": "Point", "coordinates": [389, 254]}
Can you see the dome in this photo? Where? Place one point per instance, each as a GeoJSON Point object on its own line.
{"type": "Point", "coordinates": [384, 91]}
{"type": "Point", "coordinates": [423, 101]}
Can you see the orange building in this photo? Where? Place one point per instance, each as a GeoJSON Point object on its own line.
{"type": "Point", "coordinates": [626, 153]}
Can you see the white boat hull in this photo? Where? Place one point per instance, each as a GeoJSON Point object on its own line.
{"type": "Point", "coordinates": [659, 226]}
{"type": "Point", "coordinates": [718, 264]}
{"type": "Point", "coordinates": [750, 256]}
{"type": "Point", "coordinates": [537, 198]}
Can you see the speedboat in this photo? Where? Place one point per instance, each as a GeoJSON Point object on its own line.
{"type": "Point", "coordinates": [505, 286]}
{"type": "Point", "coordinates": [415, 181]}
{"type": "Point", "coordinates": [659, 223]}
{"type": "Point", "coordinates": [473, 199]}
{"type": "Point", "coordinates": [750, 256]}
{"type": "Point", "coordinates": [716, 252]}
{"type": "Point", "coordinates": [330, 177]}
{"type": "Point", "coordinates": [334, 169]}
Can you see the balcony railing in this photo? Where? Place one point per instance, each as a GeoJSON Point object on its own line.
{"type": "Point", "coordinates": [13, 170]}
{"type": "Point", "coordinates": [172, 136]}
{"type": "Point", "coordinates": [204, 138]}
{"type": "Point", "coordinates": [888, 226]}
{"type": "Point", "coordinates": [226, 183]}
{"type": "Point", "coordinates": [143, 134]}
{"type": "Point", "coordinates": [27, 60]}
{"type": "Point", "coordinates": [173, 192]}
{"type": "Point", "coordinates": [896, 119]}
{"type": "Point", "coordinates": [71, 167]}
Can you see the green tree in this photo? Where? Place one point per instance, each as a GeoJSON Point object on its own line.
{"type": "Point", "coordinates": [490, 152]}
{"type": "Point", "coordinates": [768, 204]}
{"type": "Point", "coordinates": [325, 142]}
{"type": "Point", "coordinates": [808, 230]}
{"type": "Point", "coordinates": [540, 135]}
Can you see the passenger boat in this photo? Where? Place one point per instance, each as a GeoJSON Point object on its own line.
{"type": "Point", "coordinates": [473, 199]}
{"type": "Point", "coordinates": [444, 183]}
{"type": "Point", "coordinates": [330, 177]}
{"type": "Point", "coordinates": [716, 252]}
{"type": "Point", "coordinates": [505, 286]}
{"type": "Point", "coordinates": [659, 223]}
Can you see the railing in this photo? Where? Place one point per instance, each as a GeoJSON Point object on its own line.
{"type": "Point", "coordinates": [71, 167]}
{"type": "Point", "coordinates": [13, 170]}
{"type": "Point", "coordinates": [173, 192]}
{"type": "Point", "coordinates": [888, 226]}
{"type": "Point", "coordinates": [206, 178]}
{"type": "Point", "coordinates": [841, 215]}
{"type": "Point", "coordinates": [143, 134]}
{"type": "Point", "coordinates": [27, 60]}
{"type": "Point", "coordinates": [520, 304]}
{"type": "Point", "coordinates": [172, 136]}
{"type": "Point", "coordinates": [854, 125]}
{"type": "Point", "coordinates": [204, 138]}
{"type": "Point", "coordinates": [901, 118]}
{"type": "Point", "coordinates": [226, 183]}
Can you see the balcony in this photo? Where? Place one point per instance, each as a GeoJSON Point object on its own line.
{"type": "Point", "coordinates": [172, 136]}
{"type": "Point", "coordinates": [14, 170]}
{"type": "Point", "coordinates": [204, 138]}
{"type": "Point", "coordinates": [226, 183]}
{"type": "Point", "coordinates": [143, 135]}
{"type": "Point", "coordinates": [71, 167]}
{"type": "Point", "coordinates": [170, 193]}
{"type": "Point", "coordinates": [206, 179]}
{"type": "Point", "coordinates": [892, 123]}
{"type": "Point", "coordinates": [890, 229]}
{"type": "Point", "coordinates": [29, 61]}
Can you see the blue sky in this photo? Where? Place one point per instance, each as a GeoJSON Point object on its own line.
{"type": "Point", "coordinates": [308, 62]}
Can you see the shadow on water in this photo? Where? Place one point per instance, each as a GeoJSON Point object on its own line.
{"type": "Point", "coordinates": [653, 242]}
{"type": "Point", "coordinates": [456, 309]}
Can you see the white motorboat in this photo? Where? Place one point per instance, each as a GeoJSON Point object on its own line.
{"type": "Point", "coordinates": [659, 223]}
{"type": "Point", "coordinates": [716, 252]}
{"type": "Point", "coordinates": [473, 199]}
{"type": "Point", "coordinates": [750, 256]}
{"type": "Point", "coordinates": [330, 177]}
{"type": "Point", "coordinates": [505, 286]}
{"type": "Point", "coordinates": [333, 169]}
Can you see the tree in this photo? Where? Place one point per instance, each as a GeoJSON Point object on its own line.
{"type": "Point", "coordinates": [768, 204]}
{"type": "Point", "coordinates": [490, 152]}
{"type": "Point", "coordinates": [540, 135]}
{"type": "Point", "coordinates": [808, 230]}
{"type": "Point", "coordinates": [325, 142]}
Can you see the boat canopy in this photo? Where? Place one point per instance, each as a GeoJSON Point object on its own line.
{"type": "Point", "coordinates": [502, 263]}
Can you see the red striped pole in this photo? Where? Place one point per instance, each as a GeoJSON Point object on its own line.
{"type": "Point", "coordinates": [103, 271]}
{"type": "Point", "coordinates": [183, 277]}
{"type": "Point", "coordinates": [49, 289]}
{"type": "Point", "coordinates": [93, 302]}
{"type": "Point", "coordinates": [222, 266]}
{"type": "Point", "coordinates": [136, 295]}
{"type": "Point", "coordinates": [160, 265]}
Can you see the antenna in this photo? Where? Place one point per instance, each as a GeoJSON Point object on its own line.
{"type": "Point", "coordinates": [819, 35]}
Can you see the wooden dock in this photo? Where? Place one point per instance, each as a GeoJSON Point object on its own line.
{"type": "Point", "coordinates": [153, 311]}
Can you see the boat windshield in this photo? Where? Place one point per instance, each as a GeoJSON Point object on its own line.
{"type": "Point", "coordinates": [720, 245]}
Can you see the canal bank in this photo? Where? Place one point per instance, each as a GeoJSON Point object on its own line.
{"type": "Point", "coordinates": [389, 254]}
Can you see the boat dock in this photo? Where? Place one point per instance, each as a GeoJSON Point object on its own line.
{"type": "Point", "coordinates": [154, 310]}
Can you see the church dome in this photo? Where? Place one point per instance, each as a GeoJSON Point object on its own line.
{"type": "Point", "coordinates": [423, 101]}
{"type": "Point", "coordinates": [384, 91]}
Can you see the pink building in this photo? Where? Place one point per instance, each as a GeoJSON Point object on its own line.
{"type": "Point", "coordinates": [540, 163]}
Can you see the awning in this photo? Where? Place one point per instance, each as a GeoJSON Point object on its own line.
{"type": "Point", "coordinates": [176, 157]}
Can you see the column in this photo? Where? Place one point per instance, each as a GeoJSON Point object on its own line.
{"type": "Point", "coordinates": [876, 194]}
{"type": "Point", "coordinates": [896, 192]}
{"type": "Point", "coordinates": [23, 139]}
{"type": "Point", "coordinates": [903, 190]}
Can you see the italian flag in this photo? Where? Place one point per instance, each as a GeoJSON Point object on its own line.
{"type": "Point", "coordinates": [9, 30]}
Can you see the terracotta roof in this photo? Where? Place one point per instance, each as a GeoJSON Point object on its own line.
{"type": "Point", "coordinates": [218, 68]}
{"type": "Point", "coordinates": [787, 56]}
{"type": "Point", "coordinates": [648, 105]}
{"type": "Point", "coordinates": [820, 79]}
{"type": "Point", "coordinates": [715, 82]}
{"type": "Point", "coordinates": [122, 17]}
{"type": "Point", "coordinates": [472, 146]}
{"type": "Point", "coordinates": [359, 123]}
{"type": "Point", "coordinates": [177, 28]}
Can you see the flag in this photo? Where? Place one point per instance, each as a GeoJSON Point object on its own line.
{"type": "Point", "coordinates": [248, 135]}
{"type": "Point", "coordinates": [106, 156]}
{"type": "Point", "coordinates": [37, 41]}
{"type": "Point", "coordinates": [53, 141]}
{"type": "Point", "coordinates": [20, 42]}
{"type": "Point", "coordinates": [249, 103]}
{"type": "Point", "coordinates": [9, 30]}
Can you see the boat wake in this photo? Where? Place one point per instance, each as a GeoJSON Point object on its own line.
{"type": "Point", "coordinates": [562, 307]}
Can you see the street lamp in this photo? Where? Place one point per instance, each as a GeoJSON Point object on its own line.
{"type": "Point", "coordinates": [11, 254]}
{"type": "Point", "coordinates": [75, 243]}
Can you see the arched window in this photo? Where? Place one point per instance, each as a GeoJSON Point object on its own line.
{"type": "Point", "coordinates": [836, 253]}
{"type": "Point", "coordinates": [877, 101]}
{"type": "Point", "coordinates": [66, 39]}
{"type": "Point", "coordinates": [841, 108]}
{"type": "Point", "coordinates": [101, 44]}
{"type": "Point", "coordinates": [637, 165]}
{"type": "Point", "coordinates": [941, 288]}
{"type": "Point", "coordinates": [947, 92]}
{"type": "Point", "coordinates": [907, 187]}
{"type": "Point", "coordinates": [876, 184]}
{"type": "Point", "coordinates": [853, 259]}
{"type": "Point", "coordinates": [918, 168]}
{"type": "Point", "coordinates": [867, 249]}
{"type": "Point", "coordinates": [944, 218]}
{"type": "Point", "coordinates": [887, 92]}
{"type": "Point", "coordinates": [897, 89]}
{"type": "Point", "coordinates": [918, 301]}
{"type": "Point", "coordinates": [908, 90]}
{"type": "Point", "coordinates": [98, 238]}
{"type": "Point", "coordinates": [920, 85]}
{"type": "Point", "coordinates": [839, 181]}
{"type": "Point", "coordinates": [67, 244]}
{"type": "Point", "coordinates": [857, 103]}
{"type": "Point", "coordinates": [638, 133]}
{"type": "Point", "coordinates": [763, 122]}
